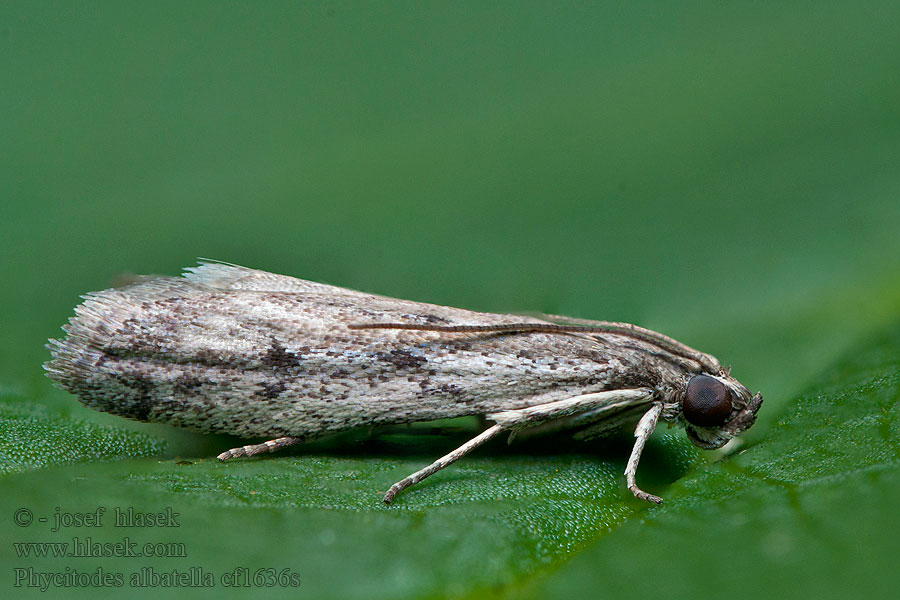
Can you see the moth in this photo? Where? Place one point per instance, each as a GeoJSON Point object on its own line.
{"type": "Point", "coordinates": [228, 349]}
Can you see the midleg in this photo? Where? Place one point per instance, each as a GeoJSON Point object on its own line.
{"type": "Point", "coordinates": [514, 420]}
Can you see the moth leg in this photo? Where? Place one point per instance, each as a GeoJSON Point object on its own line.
{"type": "Point", "coordinates": [442, 462]}
{"type": "Point", "coordinates": [642, 433]}
{"type": "Point", "coordinates": [513, 420]}
{"type": "Point", "coordinates": [270, 446]}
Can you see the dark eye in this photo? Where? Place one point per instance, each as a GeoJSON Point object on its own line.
{"type": "Point", "coordinates": [707, 401]}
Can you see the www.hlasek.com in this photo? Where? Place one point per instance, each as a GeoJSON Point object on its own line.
{"type": "Point", "coordinates": [86, 547]}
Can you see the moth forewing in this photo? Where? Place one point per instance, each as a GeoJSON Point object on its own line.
{"type": "Point", "coordinates": [234, 350]}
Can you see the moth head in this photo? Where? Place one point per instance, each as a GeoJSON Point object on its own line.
{"type": "Point", "coordinates": [716, 408]}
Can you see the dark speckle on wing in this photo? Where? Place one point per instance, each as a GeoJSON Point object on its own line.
{"type": "Point", "coordinates": [278, 357]}
{"type": "Point", "coordinates": [402, 358]}
{"type": "Point", "coordinates": [273, 389]}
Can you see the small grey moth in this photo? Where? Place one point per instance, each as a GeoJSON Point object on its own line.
{"type": "Point", "coordinates": [228, 349]}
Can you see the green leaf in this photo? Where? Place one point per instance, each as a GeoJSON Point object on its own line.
{"type": "Point", "coordinates": [814, 497]}
{"type": "Point", "coordinates": [491, 519]}
{"type": "Point", "coordinates": [31, 437]}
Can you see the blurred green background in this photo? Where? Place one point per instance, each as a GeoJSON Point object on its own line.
{"type": "Point", "coordinates": [729, 175]}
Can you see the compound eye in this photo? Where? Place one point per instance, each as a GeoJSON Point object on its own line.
{"type": "Point", "coordinates": [707, 401]}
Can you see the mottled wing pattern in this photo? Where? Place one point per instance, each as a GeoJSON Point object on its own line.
{"type": "Point", "coordinates": [236, 350]}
